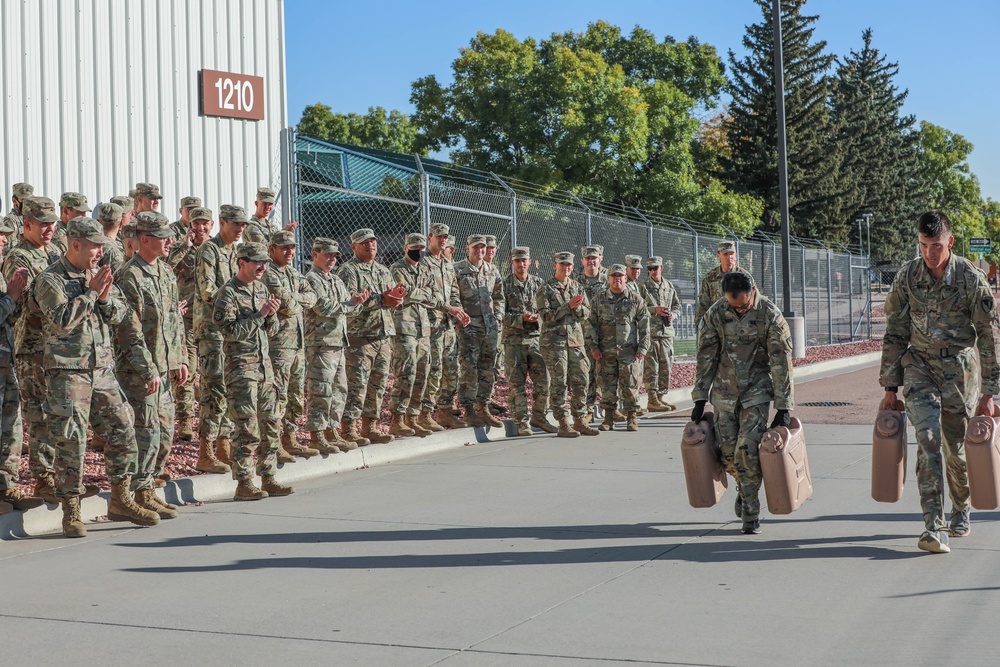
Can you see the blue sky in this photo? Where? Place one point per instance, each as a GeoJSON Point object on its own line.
{"type": "Point", "coordinates": [352, 55]}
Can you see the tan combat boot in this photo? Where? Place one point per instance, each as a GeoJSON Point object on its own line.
{"type": "Point", "coordinates": [224, 450]}
{"type": "Point", "coordinates": [349, 431]}
{"type": "Point", "coordinates": [19, 500]}
{"type": "Point", "coordinates": [583, 428]}
{"type": "Point", "coordinates": [72, 523]}
{"type": "Point", "coordinates": [632, 421]}
{"type": "Point", "coordinates": [207, 461]}
{"type": "Point", "coordinates": [369, 429]}
{"type": "Point", "coordinates": [523, 429]}
{"type": "Point", "coordinates": [319, 442]}
{"type": "Point", "coordinates": [147, 499]}
{"type": "Point", "coordinates": [486, 416]}
{"type": "Point", "coordinates": [185, 431]}
{"type": "Point", "coordinates": [668, 407]}
{"type": "Point", "coordinates": [124, 508]}
{"type": "Point", "coordinates": [333, 437]}
{"type": "Point", "coordinates": [472, 418]}
{"type": "Point", "coordinates": [271, 487]}
{"type": "Point", "coordinates": [448, 420]}
{"type": "Point", "coordinates": [293, 447]}
{"type": "Point", "coordinates": [45, 488]}
{"type": "Point", "coordinates": [284, 456]}
{"type": "Point", "coordinates": [565, 430]}
{"type": "Point", "coordinates": [619, 417]}
{"type": "Point", "coordinates": [609, 421]}
{"type": "Point", "coordinates": [654, 404]}
{"type": "Point", "coordinates": [542, 423]}
{"type": "Point", "coordinates": [398, 426]}
{"type": "Point", "coordinates": [426, 421]}
{"type": "Point", "coordinates": [421, 432]}
{"type": "Point", "coordinates": [247, 490]}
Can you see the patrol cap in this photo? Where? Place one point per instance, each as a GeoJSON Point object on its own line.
{"type": "Point", "coordinates": [591, 251]}
{"type": "Point", "coordinates": [727, 246]}
{"type": "Point", "coordinates": [201, 213]}
{"type": "Point", "coordinates": [23, 190]}
{"type": "Point", "coordinates": [285, 237]}
{"type": "Point", "coordinates": [255, 252]}
{"type": "Point", "coordinates": [154, 224]}
{"type": "Point", "coordinates": [127, 231]}
{"type": "Point", "coordinates": [266, 195]}
{"type": "Point", "coordinates": [75, 201]}
{"type": "Point", "coordinates": [491, 241]}
{"type": "Point", "coordinates": [440, 229]}
{"type": "Point", "coordinates": [87, 229]}
{"type": "Point", "coordinates": [563, 258]}
{"type": "Point", "coordinates": [616, 269]}
{"type": "Point", "coordinates": [148, 190]}
{"type": "Point", "coordinates": [190, 201]}
{"type": "Point", "coordinates": [124, 202]}
{"type": "Point", "coordinates": [653, 262]}
{"type": "Point", "coordinates": [323, 244]}
{"type": "Point", "coordinates": [109, 214]}
{"type": "Point", "coordinates": [633, 261]}
{"type": "Point", "coordinates": [414, 240]}
{"type": "Point", "coordinates": [362, 235]}
{"type": "Point", "coordinates": [520, 252]}
{"type": "Point", "coordinates": [39, 209]}
{"type": "Point", "coordinates": [6, 227]}
{"type": "Point", "coordinates": [475, 239]}
{"type": "Point", "coordinates": [234, 213]}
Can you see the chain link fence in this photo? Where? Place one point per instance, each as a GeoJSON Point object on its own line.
{"type": "Point", "coordinates": [337, 189]}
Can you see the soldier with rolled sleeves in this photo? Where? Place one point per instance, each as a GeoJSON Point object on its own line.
{"type": "Point", "coordinates": [744, 363]}
{"type": "Point", "coordinates": [711, 285]}
{"type": "Point", "coordinates": [593, 277]}
{"type": "Point", "coordinates": [941, 333]}
{"type": "Point", "coordinates": [478, 290]}
{"type": "Point", "coordinates": [664, 308]}
{"type": "Point", "coordinates": [147, 197]}
{"type": "Point", "coordinates": [563, 306]}
{"type": "Point", "coordinates": [215, 265]}
{"type": "Point", "coordinates": [287, 344]}
{"type": "Point", "coordinates": [110, 217]}
{"type": "Point", "coordinates": [182, 226]}
{"type": "Point", "coordinates": [71, 205]}
{"type": "Point", "coordinates": [15, 218]}
{"type": "Point", "coordinates": [617, 334]}
{"type": "Point", "coordinates": [182, 258]}
{"type": "Point", "coordinates": [369, 330]}
{"type": "Point", "coordinates": [522, 356]}
{"type": "Point", "coordinates": [80, 304]}
{"type": "Point", "coordinates": [246, 313]}
{"type": "Point", "coordinates": [325, 338]}
{"type": "Point", "coordinates": [149, 352]}
{"type": "Point", "coordinates": [411, 345]}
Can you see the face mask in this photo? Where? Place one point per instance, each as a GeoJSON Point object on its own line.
{"type": "Point", "coordinates": [414, 254]}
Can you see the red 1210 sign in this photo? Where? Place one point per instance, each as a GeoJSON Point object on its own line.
{"type": "Point", "coordinates": [232, 95]}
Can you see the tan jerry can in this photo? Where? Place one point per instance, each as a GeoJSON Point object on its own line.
{"type": "Point", "coordinates": [703, 472]}
{"type": "Point", "coordinates": [983, 459]}
{"type": "Point", "coordinates": [889, 454]}
{"type": "Point", "coordinates": [785, 468]}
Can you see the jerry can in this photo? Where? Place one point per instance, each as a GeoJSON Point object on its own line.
{"type": "Point", "coordinates": [889, 454]}
{"type": "Point", "coordinates": [785, 468]}
{"type": "Point", "coordinates": [984, 460]}
{"type": "Point", "coordinates": [703, 472]}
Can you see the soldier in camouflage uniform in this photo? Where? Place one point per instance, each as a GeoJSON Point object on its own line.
{"type": "Point", "coordinates": [593, 277]}
{"type": "Point", "coordinates": [6, 237]}
{"type": "Point", "coordinates": [215, 265]}
{"type": "Point", "coordinates": [110, 217]}
{"type": "Point", "coordinates": [941, 329]}
{"type": "Point", "coordinates": [148, 352]}
{"type": "Point", "coordinates": [411, 345]}
{"type": "Point", "coordinates": [80, 303]}
{"type": "Point", "coordinates": [478, 290]}
{"type": "Point", "coordinates": [15, 218]}
{"type": "Point", "coordinates": [369, 329]}
{"type": "Point", "coordinates": [71, 205]}
{"type": "Point", "coordinates": [127, 206]}
{"type": "Point", "coordinates": [522, 356]}
{"type": "Point", "coordinates": [617, 335]}
{"type": "Point", "coordinates": [287, 344]}
{"type": "Point", "coordinates": [563, 306]}
{"type": "Point", "coordinates": [147, 197]}
{"type": "Point", "coordinates": [182, 226]}
{"type": "Point", "coordinates": [259, 229]}
{"type": "Point", "coordinates": [711, 284]}
{"type": "Point", "coordinates": [633, 269]}
{"type": "Point", "coordinates": [325, 338]}
{"type": "Point", "coordinates": [664, 307]}
{"type": "Point", "coordinates": [246, 313]}
{"type": "Point", "coordinates": [744, 363]}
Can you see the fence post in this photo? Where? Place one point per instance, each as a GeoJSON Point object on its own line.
{"type": "Point", "coordinates": [425, 198]}
{"type": "Point", "coordinates": [290, 185]}
{"type": "Point", "coordinates": [590, 239]}
{"type": "Point", "coordinates": [850, 292]}
{"type": "Point", "coordinates": [513, 209]}
{"type": "Point", "coordinates": [774, 267]}
{"type": "Point", "coordinates": [697, 272]}
{"type": "Point", "coordinates": [649, 225]}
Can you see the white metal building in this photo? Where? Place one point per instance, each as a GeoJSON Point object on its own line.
{"type": "Point", "coordinates": [100, 94]}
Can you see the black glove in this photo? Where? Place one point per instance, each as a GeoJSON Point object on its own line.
{"type": "Point", "coordinates": [782, 418]}
{"type": "Point", "coordinates": [698, 414]}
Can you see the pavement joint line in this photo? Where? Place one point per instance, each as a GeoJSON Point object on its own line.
{"type": "Point", "coordinates": [581, 657]}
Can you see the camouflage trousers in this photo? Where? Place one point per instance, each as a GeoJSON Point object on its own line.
{"type": "Point", "coordinates": [153, 420]}
{"type": "Point", "coordinates": [289, 383]}
{"type": "Point", "coordinates": [253, 408]}
{"type": "Point", "coordinates": [658, 364]}
{"type": "Point", "coordinates": [520, 363]}
{"type": "Point", "coordinates": [212, 413]}
{"type": "Point", "coordinates": [435, 371]}
{"type": "Point", "coordinates": [11, 433]}
{"type": "Point", "coordinates": [367, 376]}
{"type": "Point", "coordinates": [31, 380]}
{"type": "Point", "coordinates": [477, 351]}
{"type": "Point", "coordinates": [410, 367]}
{"type": "Point", "coordinates": [569, 369]}
{"type": "Point", "coordinates": [620, 378]}
{"type": "Point", "coordinates": [739, 434]}
{"type": "Point", "coordinates": [326, 387]}
{"type": "Point", "coordinates": [74, 399]}
{"type": "Point", "coordinates": [449, 370]}
{"type": "Point", "coordinates": [185, 395]}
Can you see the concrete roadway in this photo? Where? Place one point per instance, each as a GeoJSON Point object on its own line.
{"type": "Point", "coordinates": [527, 552]}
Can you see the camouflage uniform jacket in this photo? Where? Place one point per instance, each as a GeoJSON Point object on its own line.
{"type": "Point", "coordinates": [412, 318]}
{"type": "Point", "coordinates": [154, 322]}
{"type": "Point", "coordinates": [179, 229]}
{"type": "Point", "coordinates": [58, 242]}
{"type": "Point", "coordinates": [519, 298]}
{"type": "Point", "coordinates": [326, 319]}
{"type": "Point", "coordinates": [114, 256]}
{"type": "Point", "coordinates": [245, 330]}
{"type": "Point", "coordinates": [79, 334]}
{"type": "Point", "coordinates": [296, 295]}
{"type": "Point", "coordinates": [371, 320]}
{"type": "Point", "coordinates": [479, 291]}
{"type": "Point", "coordinates": [711, 290]}
{"type": "Point", "coordinates": [182, 260]}
{"type": "Point", "coordinates": [938, 318]}
{"type": "Point", "coordinates": [215, 265]}
{"type": "Point", "coordinates": [661, 294]}
{"type": "Point", "coordinates": [443, 273]}
{"type": "Point", "coordinates": [595, 284]}
{"type": "Point", "coordinates": [618, 322]}
{"type": "Point", "coordinates": [561, 325]}
{"type": "Point", "coordinates": [258, 230]}
{"type": "Point", "coordinates": [744, 360]}
{"type": "Point", "coordinates": [8, 310]}
{"type": "Point", "coordinates": [15, 220]}
{"type": "Point", "coordinates": [29, 330]}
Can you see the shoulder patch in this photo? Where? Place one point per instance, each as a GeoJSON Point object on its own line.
{"type": "Point", "coordinates": [218, 315]}
{"type": "Point", "coordinates": [988, 304]}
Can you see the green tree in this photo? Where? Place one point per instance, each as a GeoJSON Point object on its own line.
{"type": "Point", "coordinates": [389, 131]}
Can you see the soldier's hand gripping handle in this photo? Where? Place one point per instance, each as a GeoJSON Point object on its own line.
{"type": "Point", "coordinates": [698, 414]}
{"type": "Point", "coordinates": [889, 400]}
{"type": "Point", "coordinates": [985, 407]}
{"type": "Point", "coordinates": [781, 418]}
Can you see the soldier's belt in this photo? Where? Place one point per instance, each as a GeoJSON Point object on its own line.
{"type": "Point", "coordinates": [945, 351]}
